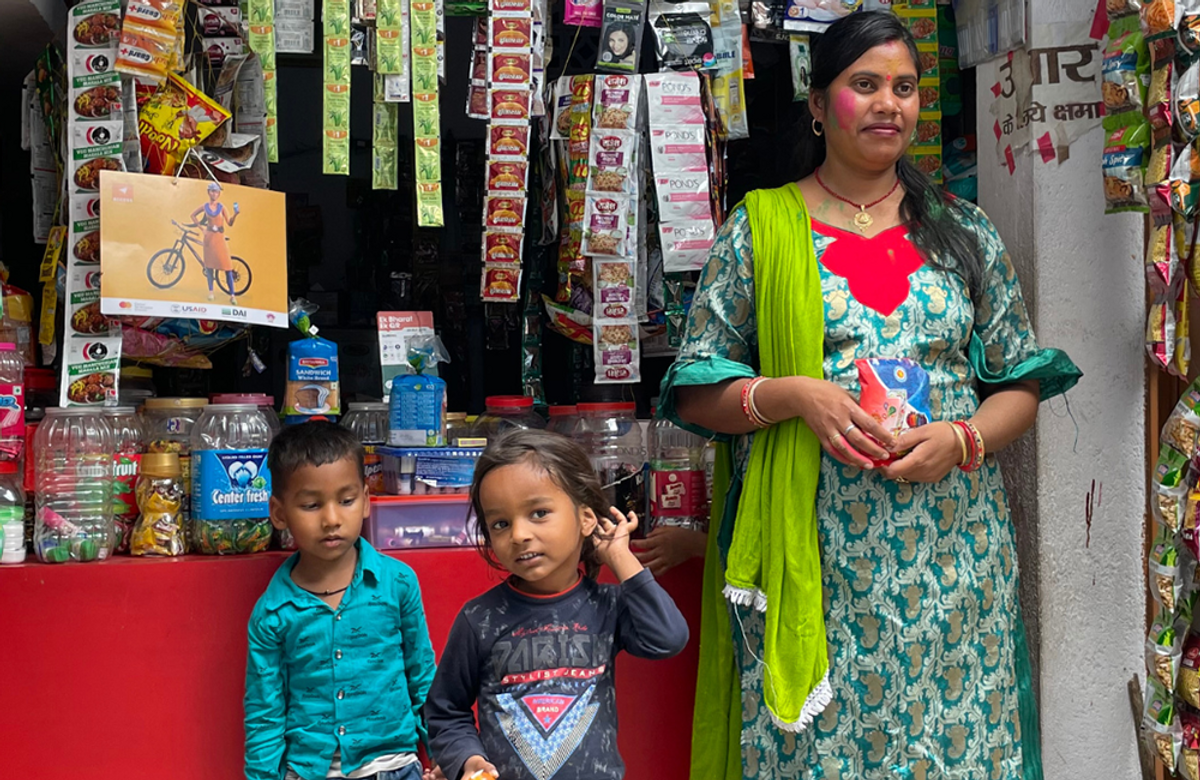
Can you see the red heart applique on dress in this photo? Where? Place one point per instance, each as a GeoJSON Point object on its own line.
{"type": "Point", "coordinates": [876, 269]}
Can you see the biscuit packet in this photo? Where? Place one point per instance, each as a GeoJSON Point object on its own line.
{"type": "Point", "coordinates": [1160, 724]}
{"type": "Point", "coordinates": [1125, 75]}
{"type": "Point", "coordinates": [1126, 153]}
{"type": "Point", "coordinates": [1189, 754]}
{"type": "Point", "coordinates": [1165, 649]}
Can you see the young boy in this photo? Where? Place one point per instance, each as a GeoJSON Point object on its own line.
{"type": "Point", "coordinates": [340, 659]}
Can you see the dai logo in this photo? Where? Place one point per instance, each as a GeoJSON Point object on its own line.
{"type": "Point", "coordinates": [235, 312]}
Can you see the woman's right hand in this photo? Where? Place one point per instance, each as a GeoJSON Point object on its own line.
{"type": "Point", "coordinates": [478, 768]}
{"type": "Point", "coordinates": [847, 433]}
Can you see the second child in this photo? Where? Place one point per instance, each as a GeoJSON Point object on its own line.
{"type": "Point", "coordinates": [536, 653]}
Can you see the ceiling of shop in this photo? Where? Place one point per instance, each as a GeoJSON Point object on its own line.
{"type": "Point", "coordinates": [27, 25]}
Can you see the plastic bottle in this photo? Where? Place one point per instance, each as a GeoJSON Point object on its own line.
{"type": "Point", "coordinates": [614, 441]}
{"type": "Point", "coordinates": [128, 446]}
{"type": "Point", "coordinates": [12, 514]}
{"type": "Point", "coordinates": [505, 412]}
{"type": "Point", "coordinates": [678, 492]}
{"type": "Point", "coordinates": [369, 422]}
{"type": "Point", "coordinates": [73, 472]}
{"type": "Point", "coordinates": [12, 402]}
{"type": "Point", "coordinates": [231, 486]}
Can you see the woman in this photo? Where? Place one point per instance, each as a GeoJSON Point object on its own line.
{"type": "Point", "coordinates": [216, 251]}
{"type": "Point", "coordinates": [872, 627]}
{"type": "Point", "coordinates": [618, 45]}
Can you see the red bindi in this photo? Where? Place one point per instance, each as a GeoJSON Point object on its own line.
{"type": "Point", "coordinates": [889, 78]}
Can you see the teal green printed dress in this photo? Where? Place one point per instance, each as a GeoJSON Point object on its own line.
{"type": "Point", "coordinates": [928, 661]}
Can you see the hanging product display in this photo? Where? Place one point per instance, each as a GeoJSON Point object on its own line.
{"type": "Point", "coordinates": [621, 36]}
{"type": "Point", "coordinates": [150, 34]}
{"type": "Point", "coordinates": [427, 134]}
{"type": "Point", "coordinates": [920, 17]}
{"type": "Point", "coordinates": [92, 344]}
{"type": "Point", "coordinates": [385, 134]}
{"type": "Point", "coordinates": [335, 139]}
{"type": "Point", "coordinates": [261, 39]}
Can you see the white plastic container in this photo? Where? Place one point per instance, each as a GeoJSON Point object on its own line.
{"type": "Point", "coordinates": [231, 485]}
{"type": "Point", "coordinates": [73, 473]}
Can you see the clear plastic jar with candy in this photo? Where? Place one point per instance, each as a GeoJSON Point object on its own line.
{"type": "Point", "coordinates": [169, 423]}
{"type": "Point", "coordinates": [264, 402]}
{"type": "Point", "coordinates": [73, 474]}
{"type": "Point", "coordinates": [369, 422]}
{"type": "Point", "coordinates": [507, 412]}
{"type": "Point", "coordinates": [128, 446]}
{"type": "Point", "coordinates": [159, 529]}
{"type": "Point", "coordinates": [231, 485]}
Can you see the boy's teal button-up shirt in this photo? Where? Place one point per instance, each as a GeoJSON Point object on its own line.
{"type": "Point", "coordinates": [351, 680]}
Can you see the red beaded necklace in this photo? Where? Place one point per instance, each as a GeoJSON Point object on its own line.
{"type": "Point", "coordinates": [862, 220]}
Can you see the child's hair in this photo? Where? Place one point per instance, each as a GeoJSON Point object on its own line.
{"type": "Point", "coordinates": [564, 462]}
{"type": "Point", "coordinates": [316, 443]}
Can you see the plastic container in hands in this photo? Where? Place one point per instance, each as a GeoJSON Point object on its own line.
{"type": "Point", "coordinates": [369, 422]}
{"type": "Point", "coordinates": [231, 485]}
{"type": "Point", "coordinates": [507, 412]}
{"type": "Point", "coordinates": [613, 439]}
{"type": "Point", "coordinates": [73, 475]}
{"type": "Point", "coordinates": [12, 514]}
{"type": "Point", "coordinates": [678, 490]}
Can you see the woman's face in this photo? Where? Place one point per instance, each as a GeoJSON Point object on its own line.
{"type": "Point", "coordinates": [214, 194]}
{"type": "Point", "coordinates": [618, 43]}
{"type": "Point", "coordinates": [870, 110]}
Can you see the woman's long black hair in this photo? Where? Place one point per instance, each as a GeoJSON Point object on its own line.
{"type": "Point", "coordinates": [932, 216]}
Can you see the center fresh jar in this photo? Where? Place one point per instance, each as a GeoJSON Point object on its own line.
{"type": "Point", "coordinates": [264, 402]}
{"type": "Point", "coordinates": [168, 426]}
{"type": "Point", "coordinates": [506, 412]}
{"type": "Point", "coordinates": [231, 486]}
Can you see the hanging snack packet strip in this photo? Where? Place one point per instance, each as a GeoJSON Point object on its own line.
{"type": "Point", "coordinates": [1160, 724]}
{"type": "Point", "coordinates": [926, 151]}
{"type": "Point", "coordinates": [427, 132]}
{"type": "Point", "coordinates": [335, 140]}
{"type": "Point", "coordinates": [385, 140]}
{"type": "Point", "coordinates": [149, 38]}
{"type": "Point", "coordinates": [261, 17]}
{"type": "Point", "coordinates": [1125, 74]}
{"type": "Point", "coordinates": [573, 102]}
{"type": "Point", "coordinates": [1125, 155]}
{"type": "Point", "coordinates": [507, 69]}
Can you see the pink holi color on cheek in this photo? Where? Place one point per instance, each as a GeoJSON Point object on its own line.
{"type": "Point", "coordinates": [843, 108]}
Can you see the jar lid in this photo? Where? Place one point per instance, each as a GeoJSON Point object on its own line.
{"type": "Point", "coordinates": [621, 406]}
{"type": "Point", "coordinates": [563, 411]}
{"type": "Point", "coordinates": [161, 464]}
{"type": "Point", "coordinates": [368, 406]}
{"type": "Point", "coordinates": [7, 346]}
{"type": "Point", "coordinates": [40, 379]}
{"type": "Point", "coordinates": [256, 399]}
{"type": "Point", "coordinates": [509, 401]}
{"type": "Point", "coordinates": [119, 411]}
{"type": "Point", "coordinates": [176, 403]}
{"type": "Point", "coordinates": [71, 411]}
{"type": "Point", "coordinates": [218, 408]}
{"type": "Point", "coordinates": [456, 416]}
{"type": "Point", "coordinates": [136, 372]}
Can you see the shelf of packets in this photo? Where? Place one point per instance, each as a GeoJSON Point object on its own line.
{"type": "Point", "coordinates": [1171, 711]}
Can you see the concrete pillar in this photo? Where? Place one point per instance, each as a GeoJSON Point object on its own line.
{"type": "Point", "coordinates": [1084, 590]}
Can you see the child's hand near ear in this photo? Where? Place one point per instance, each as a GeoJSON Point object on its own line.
{"type": "Point", "coordinates": [612, 544]}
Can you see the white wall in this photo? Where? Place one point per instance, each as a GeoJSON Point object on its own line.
{"type": "Point", "coordinates": [1087, 289]}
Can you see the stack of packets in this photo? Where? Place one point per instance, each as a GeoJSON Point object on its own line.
{"type": "Point", "coordinates": [427, 134]}
{"type": "Point", "coordinates": [222, 30]}
{"type": "Point", "coordinates": [392, 47]}
{"type": "Point", "coordinates": [571, 127]}
{"type": "Point", "coordinates": [612, 216]}
{"type": "Point", "coordinates": [95, 140]}
{"type": "Point", "coordinates": [1151, 94]}
{"type": "Point", "coordinates": [680, 161]}
{"type": "Point", "coordinates": [335, 138]}
{"type": "Point", "coordinates": [515, 34]}
{"type": "Point", "coordinates": [151, 40]}
{"type": "Point", "coordinates": [1171, 719]}
{"type": "Point", "coordinates": [920, 17]}
{"type": "Point", "coordinates": [294, 26]}
{"type": "Point", "coordinates": [260, 14]}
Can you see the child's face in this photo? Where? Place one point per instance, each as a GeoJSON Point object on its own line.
{"type": "Point", "coordinates": [535, 528]}
{"type": "Point", "coordinates": [324, 508]}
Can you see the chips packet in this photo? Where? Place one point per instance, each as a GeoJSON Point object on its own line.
{"type": "Point", "coordinates": [1125, 74]}
{"type": "Point", "coordinates": [1165, 649]}
{"type": "Point", "coordinates": [894, 391]}
{"type": "Point", "coordinates": [1189, 754]}
{"type": "Point", "coordinates": [1126, 153]}
{"type": "Point", "coordinates": [1160, 724]}
{"type": "Point", "coordinates": [174, 119]}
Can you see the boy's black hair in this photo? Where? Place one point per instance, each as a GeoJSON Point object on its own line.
{"type": "Point", "coordinates": [314, 443]}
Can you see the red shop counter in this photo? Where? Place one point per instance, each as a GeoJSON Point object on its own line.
{"type": "Point", "coordinates": [133, 669]}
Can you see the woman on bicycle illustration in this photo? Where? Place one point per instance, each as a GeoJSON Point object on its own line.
{"type": "Point", "coordinates": [216, 251]}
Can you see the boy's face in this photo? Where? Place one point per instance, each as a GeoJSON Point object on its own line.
{"type": "Point", "coordinates": [324, 508]}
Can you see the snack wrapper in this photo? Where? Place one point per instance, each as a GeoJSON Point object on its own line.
{"type": "Point", "coordinates": [895, 391]}
{"type": "Point", "coordinates": [1125, 74]}
{"type": "Point", "coordinates": [1160, 724]}
{"type": "Point", "coordinates": [174, 119]}
{"type": "Point", "coordinates": [1126, 153]}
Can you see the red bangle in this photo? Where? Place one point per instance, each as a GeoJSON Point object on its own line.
{"type": "Point", "coordinates": [975, 444]}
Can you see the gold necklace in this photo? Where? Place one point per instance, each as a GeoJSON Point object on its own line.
{"type": "Point", "coordinates": [862, 220]}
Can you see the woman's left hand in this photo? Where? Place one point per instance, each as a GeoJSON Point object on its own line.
{"type": "Point", "coordinates": [934, 451]}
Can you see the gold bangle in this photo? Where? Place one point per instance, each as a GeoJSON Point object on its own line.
{"type": "Point", "coordinates": [962, 443]}
{"type": "Point", "coordinates": [754, 406]}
